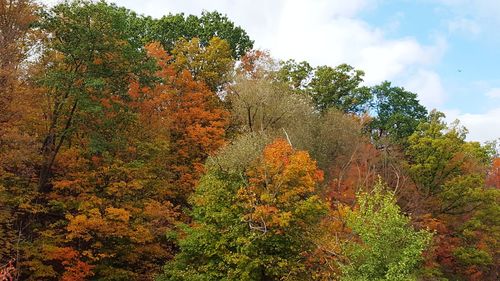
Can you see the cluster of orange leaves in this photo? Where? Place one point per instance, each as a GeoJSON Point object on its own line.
{"type": "Point", "coordinates": [192, 114]}
{"type": "Point", "coordinates": [281, 178]}
{"type": "Point", "coordinates": [493, 178]}
{"type": "Point", "coordinates": [74, 268]}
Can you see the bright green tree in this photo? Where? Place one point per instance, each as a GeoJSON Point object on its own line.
{"type": "Point", "coordinates": [386, 246]}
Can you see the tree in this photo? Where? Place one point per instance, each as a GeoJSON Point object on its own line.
{"type": "Point", "coordinates": [197, 120]}
{"type": "Point", "coordinates": [449, 174]}
{"type": "Point", "coordinates": [493, 178]}
{"type": "Point", "coordinates": [397, 113]}
{"type": "Point", "coordinates": [296, 74]}
{"type": "Point", "coordinates": [261, 104]}
{"type": "Point", "coordinates": [171, 28]}
{"type": "Point", "coordinates": [19, 121]}
{"type": "Point", "coordinates": [387, 248]}
{"type": "Point", "coordinates": [89, 147]}
{"type": "Point", "coordinates": [257, 226]}
{"type": "Point", "coordinates": [339, 88]}
{"type": "Point", "coordinates": [91, 54]}
{"type": "Point", "coordinates": [211, 64]}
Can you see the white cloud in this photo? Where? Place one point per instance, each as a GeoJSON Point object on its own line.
{"type": "Point", "coordinates": [482, 127]}
{"type": "Point", "coordinates": [484, 12]}
{"type": "Point", "coordinates": [493, 93]}
{"type": "Point", "coordinates": [429, 88]}
{"type": "Point", "coordinates": [463, 25]}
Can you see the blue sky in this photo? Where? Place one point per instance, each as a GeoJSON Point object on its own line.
{"type": "Point", "coordinates": [447, 51]}
{"type": "Point", "coordinates": [469, 66]}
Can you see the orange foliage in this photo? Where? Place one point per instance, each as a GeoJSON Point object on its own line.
{"type": "Point", "coordinates": [196, 119]}
{"type": "Point", "coordinates": [493, 178]}
{"type": "Point", "coordinates": [283, 177]}
{"type": "Point", "coordinates": [8, 271]}
{"type": "Point", "coordinates": [357, 172]}
{"type": "Point", "coordinates": [256, 64]}
{"type": "Point", "coordinates": [74, 268]}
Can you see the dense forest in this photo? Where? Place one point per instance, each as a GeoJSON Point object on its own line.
{"type": "Point", "coordinates": [135, 148]}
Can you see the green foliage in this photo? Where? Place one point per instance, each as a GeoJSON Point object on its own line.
{"type": "Point", "coordinates": [450, 177]}
{"type": "Point", "coordinates": [339, 88]}
{"type": "Point", "coordinates": [438, 154]}
{"type": "Point", "coordinates": [296, 74]}
{"type": "Point", "coordinates": [397, 113]}
{"type": "Point", "coordinates": [211, 64]}
{"type": "Point", "coordinates": [388, 247]}
{"type": "Point", "coordinates": [171, 28]}
{"type": "Point", "coordinates": [238, 237]}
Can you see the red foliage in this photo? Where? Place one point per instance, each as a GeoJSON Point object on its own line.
{"type": "Point", "coordinates": [356, 172]}
{"type": "Point", "coordinates": [8, 272]}
{"type": "Point", "coordinates": [74, 268]}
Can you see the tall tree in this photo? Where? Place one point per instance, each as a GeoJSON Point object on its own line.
{"type": "Point", "coordinates": [452, 199]}
{"type": "Point", "coordinates": [197, 120]}
{"type": "Point", "coordinates": [91, 55]}
{"type": "Point", "coordinates": [255, 227]}
{"type": "Point", "coordinates": [19, 121]}
{"type": "Point", "coordinates": [397, 113]}
{"type": "Point", "coordinates": [339, 88]}
{"type": "Point", "coordinates": [171, 28]}
{"type": "Point", "coordinates": [211, 64]}
{"type": "Point", "coordinates": [387, 248]}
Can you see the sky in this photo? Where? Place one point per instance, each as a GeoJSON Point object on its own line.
{"type": "Point", "coordinates": [446, 51]}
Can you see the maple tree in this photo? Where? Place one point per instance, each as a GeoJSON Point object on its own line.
{"type": "Point", "coordinates": [264, 220]}
{"type": "Point", "coordinates": [197, 120]}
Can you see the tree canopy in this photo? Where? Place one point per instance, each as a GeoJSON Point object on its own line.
{"type": "Point", "coordinates": [134, 148]}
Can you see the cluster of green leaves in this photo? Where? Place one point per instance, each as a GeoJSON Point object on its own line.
{"type": "Point", "coordinates": [388, 247]}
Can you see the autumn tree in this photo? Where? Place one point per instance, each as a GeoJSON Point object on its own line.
{"type": "Point", "coordinates": [99, 197]}
{"type": "Point", "coordinates": [88, 66]}
{"type": "Point", "coordinates": [449, 176]}
{"type": "Point", "coordinates": [256, 226]}
{"type": "Point", "coordinates": [212, 64]}
{"type": "Point", "coordinates": [494, 174]}
{"type": "Point", "coordinates": [19, 118]}
{"type": "Point", "coordinates": [197, 121]}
